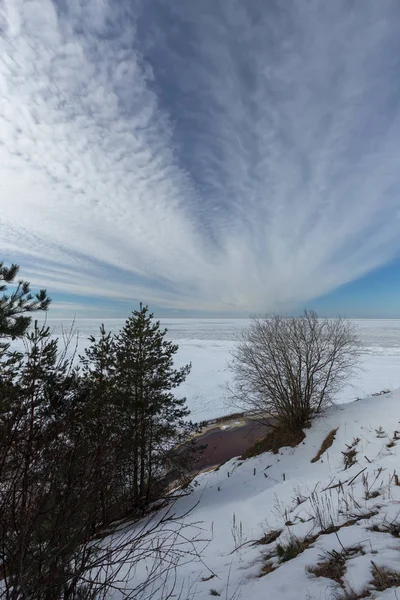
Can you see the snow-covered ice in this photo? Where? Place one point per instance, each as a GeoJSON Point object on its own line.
{"type": "Point", "coordinates": [207, 344]}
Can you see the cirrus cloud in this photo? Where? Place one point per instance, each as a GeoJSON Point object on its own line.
{"type": "Point", "coordinates": [216, 156]}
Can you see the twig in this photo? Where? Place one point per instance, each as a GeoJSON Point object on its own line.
{"type": "Point", "coordinates": [332, 487]}
{"type": "Point", "coordinates": [355, 477]}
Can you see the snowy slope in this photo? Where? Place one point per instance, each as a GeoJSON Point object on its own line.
{"type": "Point", "coordinates": [331, 507]}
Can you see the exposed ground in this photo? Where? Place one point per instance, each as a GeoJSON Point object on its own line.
{"type": "Point", "coordinates": [227, 439]}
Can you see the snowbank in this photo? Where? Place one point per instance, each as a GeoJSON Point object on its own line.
{"type": "Point", "coordinates": [343, 509]}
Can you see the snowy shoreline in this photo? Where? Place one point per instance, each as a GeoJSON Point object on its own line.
{"type": "Point", "coordinates": [207, 344]}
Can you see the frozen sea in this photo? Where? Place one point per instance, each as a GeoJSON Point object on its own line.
{"type": "Point", "coordinates": [207, 344]}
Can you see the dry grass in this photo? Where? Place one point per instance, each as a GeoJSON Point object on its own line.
{"type": "Point", "coordinates": [374, 494]}
{"type": "Point", "coordinates": [354, 519]}
{"type": "Point", "coordinates": [285, 552]}
{"type": "Point", "coordinates": [333, 567]}
{"type": "Point", "coordinates": [359, 517]}
{"type": "Point", "coordinates": [344, 594]}
{"type": "Point", "coordinates": [294, 547]}
{"type": "Point", "coordinates": [384, 578]}
{"type": "Point", "coordinates": [327, 443]}
{"type": "Point", "coordinates": [349, 456]}
{"type": "Point", "coordinates": [273, 442]}
{"type": "Point", "coordinates": [268, 537]}
{"type": "Point", "coordinates": [266, 569]}
{"type": "Point", "coordinates": [392, 527]}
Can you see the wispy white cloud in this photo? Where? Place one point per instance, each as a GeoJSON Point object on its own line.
{"type": "Point", "coordinates": [73, 308]}
{"type": "Point", "coordinates": [199, 155]}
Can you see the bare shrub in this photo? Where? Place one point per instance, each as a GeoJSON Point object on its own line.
{"type": "Point", "coordinates": [287, 369]}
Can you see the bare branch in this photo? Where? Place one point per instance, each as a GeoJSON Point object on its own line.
{"type": "Point", "coordinates": [290, 368]}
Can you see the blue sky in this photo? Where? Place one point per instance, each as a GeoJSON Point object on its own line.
{"type": "Point", "coordinates": [213, 157]}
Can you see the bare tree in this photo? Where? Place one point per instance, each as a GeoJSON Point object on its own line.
{"type": "Point", "coordinates": [290, 368]}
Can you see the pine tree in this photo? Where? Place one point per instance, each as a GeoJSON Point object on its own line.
{"type": "Point", "coordinates": [154, 418]}
{"type": "Point", "coordinates": [64, 434]}
{"type": "Point", "coordinates": [101, 416]}
{"type": "Point", "coordinates": [49, 484]}
{"type": "Point", "coordinates": [14, 322]}
{"type": "Point", "coordinates": [40, 472]}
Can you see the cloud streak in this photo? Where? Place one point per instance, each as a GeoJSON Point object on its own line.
{"type": "Point", "coordinates": [207, 155]}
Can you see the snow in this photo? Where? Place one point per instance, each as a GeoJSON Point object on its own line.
{"type": "Point", "coordinates": [235, 505]}
{"type": "Point", "coordinates": [288, 492]}
{"type": "Point", "coordinates": [207, 344]}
